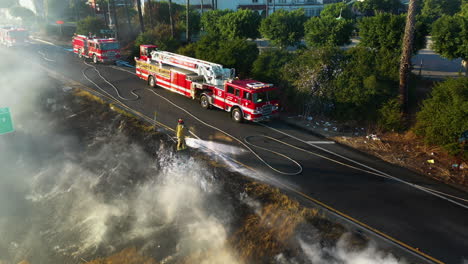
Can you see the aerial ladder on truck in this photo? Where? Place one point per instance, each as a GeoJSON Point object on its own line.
{"type": "Point", "coordinates": [212, 73]}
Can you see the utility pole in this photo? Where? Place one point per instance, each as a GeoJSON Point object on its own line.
{"type": "Point", "coordinates": [266, 8]}
{"type": "Point", "coordinates": [187, 22]}
{"type": "Point", "coordinates": [140, 16]}
{"type": "Point", "coordinates": [407, 51]}
{"type": "Point", "coordinates": [201, 6]}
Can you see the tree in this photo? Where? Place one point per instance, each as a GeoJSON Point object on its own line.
{"type": "Point", "coordinates": [140, 16]}
{"type": "Point", "coordinates": [309, 79]}
{"type": "Point", "coordinates": [450, 37]}
{"type": "Point", "coordinates": [171, 19]}
{"type": "Point", "coordinates": [90, 24]}
{"type": "Point", "coordinates": [434, 9]}
{"type": "Point", "coordinates": [210, 20]}
{"type": "Point", "coordinates": [236, 53]}
{"type": "Point", "coordinates": [337, 9]}
{"type": "Point", "coordinates": [406, 54]}
{"type": "Point", "coordinates": [372, 7]}
{"type": "Point", "coordinates": [267, 67]}
{"type": "Point", "coordinates": [327, 31]}
{"type": "Point", "coordinates": [443, 116]}
{"type": "Point", "coordinates": [160, 36]}
{"type": "Point", "coordinates": [359, 89]}
{"type": "Point", "coordinates": [284, 28]}
{"type": "Point", "coordinates": [386, 31]}
{"type": "Point", "coordinates": [243, 23]}
{"type": "Point", "coordinates": [24, 13]}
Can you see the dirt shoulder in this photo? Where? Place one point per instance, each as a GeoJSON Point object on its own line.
{"type": "Point", "coordinates": [405, 150]}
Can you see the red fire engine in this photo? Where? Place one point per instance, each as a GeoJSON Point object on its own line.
{"type": "Point", "coordinates": [13, 37]}
{"type": "Point", "coordinates": [99, 49]}
{"type": "Point", "coordinates": [209, 82]}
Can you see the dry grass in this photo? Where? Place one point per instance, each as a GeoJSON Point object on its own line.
{"type": "Point", "coordinates": [407, 150]}
{"type": "Point", "coordinates": [88, 95]}
{"type": "Point", "coordinates": [269, 232]}
{"type": "Point", "coordinates": [126, 256]}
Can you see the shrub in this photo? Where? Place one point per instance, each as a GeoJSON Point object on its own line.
{"type": "Point", "coordinates": [390, 118]}
{"type": "Point", "coordinates": [267, 67]}
{"type": "Point", "coordinates": [90, 24]}
{"type": "Point", "coordinates": [160, 36]}
{"type": "Point", "coordinates": [444, 115]}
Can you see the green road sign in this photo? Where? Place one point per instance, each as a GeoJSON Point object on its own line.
{"type": "Point", "coordinates": [6, 125]}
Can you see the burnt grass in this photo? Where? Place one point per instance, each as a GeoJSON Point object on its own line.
{"type": "Point", "coordinates": [254, 236]}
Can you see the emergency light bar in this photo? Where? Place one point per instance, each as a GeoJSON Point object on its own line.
{"type": "Point", "coordinates": [259, 85]}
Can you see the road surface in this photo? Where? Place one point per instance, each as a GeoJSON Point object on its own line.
{"type": "Point", "coordinates": [348, 181]}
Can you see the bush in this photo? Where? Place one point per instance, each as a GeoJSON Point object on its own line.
{"type": "Point", "coordinates": [188, 50]}
{"type": "Point", "coordinates": [236, 53]}
{"type": "Point", "coordinates": [444, 115]}
{"type": "Point", "coordinates": [267, 67]}
{"type": "Point", "coordinates": [90, 24]}
{"type": "Point", "coordinates": [160, 36]}
{"type": "Point", "coordinates": [390, 118]}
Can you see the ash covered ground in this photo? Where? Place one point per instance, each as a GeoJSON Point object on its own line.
{"type": "Point", "coordinates": [80, 183]}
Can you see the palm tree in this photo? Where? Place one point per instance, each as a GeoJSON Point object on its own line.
{"type": "Point", "coordinates": [187, 20]}
{"type": "Point", "coordinates": [407, 51]}
{"type": "Point", "coordinates": [140, 15]}
{"type": "Point", "coordinates": [170, 18]}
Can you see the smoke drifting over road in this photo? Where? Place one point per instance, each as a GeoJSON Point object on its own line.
{"type": "Point", "coordinates": [74, 186]}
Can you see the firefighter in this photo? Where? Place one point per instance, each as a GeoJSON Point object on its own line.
{"type": "Point", "coordinates": [181, 133]}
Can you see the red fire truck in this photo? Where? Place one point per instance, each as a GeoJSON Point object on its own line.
{"type": "Point", "coordinates": [99, 49]}
{"type": "Point", "coordinates": [13, 37]}
{"type": "Point", "coordinates": [209, 82]}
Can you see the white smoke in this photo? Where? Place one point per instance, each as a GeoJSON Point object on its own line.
{"type": "Point", "coordinates": [28, 4]}
{"type": "Point", "coordinates": [61, 199]}
{"type": "Point", "coordinates": [342, 254]}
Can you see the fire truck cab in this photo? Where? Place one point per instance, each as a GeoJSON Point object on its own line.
{"type": "Point", "coordinates": [208, 82]}
{"type": "Point", "coordinates": [13, 37]}
{"type": "Point", "coordinates": [98, 49]}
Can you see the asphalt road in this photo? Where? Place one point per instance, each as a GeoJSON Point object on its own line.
{"type": "Point", "coordinates": [422, 220]}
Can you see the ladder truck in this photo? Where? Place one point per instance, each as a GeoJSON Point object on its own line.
{"type": "Point", "coordinates": [210, 83]}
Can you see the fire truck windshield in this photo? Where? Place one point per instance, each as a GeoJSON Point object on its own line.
{"type": "Point", "coordinates": [110, 46]}
{"type": "Point", "coordinates": [262, 97]}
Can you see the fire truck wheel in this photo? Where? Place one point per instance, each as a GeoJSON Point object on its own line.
{"type": "Point", "coordinates": [95, 59]}
{"type": "Point", "coordinates": [152, 82]}
{"type": "Point", "coordinates": [205, 103]}
{"type": "Point", "coordinates": [237, 115]}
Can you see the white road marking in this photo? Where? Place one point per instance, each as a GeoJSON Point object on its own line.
{"type": "Point", "coordinates": [320, 142]}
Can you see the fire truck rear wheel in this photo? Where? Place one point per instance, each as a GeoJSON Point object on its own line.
{"type": "Point", "coordinates": [237, 115]}
{"type": "Point", "coordinates": [95, 59]}
{"type": "Point", "coordinates": [152, 82]}
{"type": "Point", "coordinates": [205, 103]}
